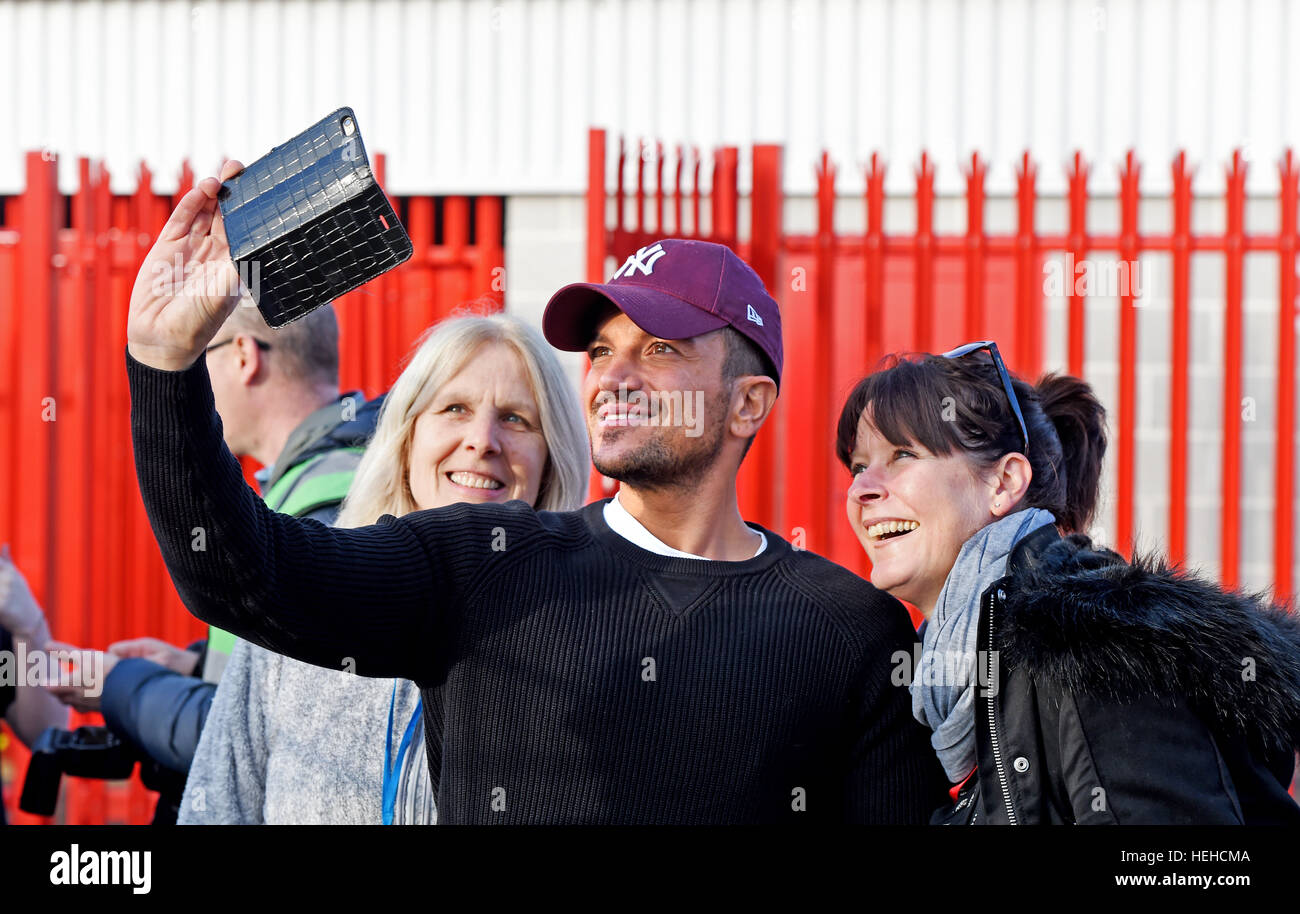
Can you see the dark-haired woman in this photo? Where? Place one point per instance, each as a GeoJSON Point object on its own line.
{"type": "Point", "coordinates": [1062, 683]}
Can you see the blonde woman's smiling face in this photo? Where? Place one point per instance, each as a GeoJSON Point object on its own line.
{"type": "Point", "coordinates": [480, 438]}
{"type": "Point", "coordinates": [912, 511]}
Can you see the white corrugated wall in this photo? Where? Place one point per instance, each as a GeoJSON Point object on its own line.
{"type": "Point", "coordinates": [496, 95]}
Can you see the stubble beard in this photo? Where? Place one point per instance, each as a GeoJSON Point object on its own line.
{"type": "Point", "coordinates": [656, 466]}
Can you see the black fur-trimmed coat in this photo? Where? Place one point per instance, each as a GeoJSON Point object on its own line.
{"type": "Point", "coordinates": [1129, 693]}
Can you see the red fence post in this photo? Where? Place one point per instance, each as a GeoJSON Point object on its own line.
{"type": "Point", "coordinates": [1283, 503]}
{"type": "Point", "coordinates": [819, 463]}
{"type": "Point", "coordinates": [1128, 253]}
{"type": "Point", "coordinates": [420, 300]}
{"type": "Point", "coordinates": [975, 249]}
{"type": "Point", "coordinates": [640, 185]}
{"type": "Point", "coordinates": [678, 228]}
{"type": "Point", "coordinates": [696, 196]}
{"type": "Point", "coordinates": [659, 190]}
{"type": "Point", "coordinates": [1182, 242]}
{"type": "Point", "coordinates": [78, 366]}
{"type": "Point", "coordinates": [489, 213]}
{"type": "Point", "coordinates": [923, 332]}
{"type": "Point", "coordinates": [597, 240]}
{"type": "Point", "coordinates": [726, 196]}
{"type": "Point", "coordinates": [1230, 526]}
{"type": "Point", "coordinates": [873, 255]}
{"type": "Point", "coordinates": [1076, 251]}
{"type": "Point", "coordinates": [33, 379]}
{"type": "Point", "coordinates": [757, 498]}
{"type": "Point", "coordinates": [598, 243]}
{"type": "Point", "coordinates": [1028, 278]}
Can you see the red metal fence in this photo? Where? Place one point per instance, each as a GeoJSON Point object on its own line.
{"type": "Point", "coordinates": [848, 299]}
{"type": "Point", "coordinates": [68, 498]}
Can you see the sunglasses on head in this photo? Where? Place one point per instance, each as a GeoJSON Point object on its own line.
{"type": "Point", "coordinates": [1003, 374]}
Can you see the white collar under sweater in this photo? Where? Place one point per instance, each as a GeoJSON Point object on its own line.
{"type": "Point", "coordinates": [628, 527]}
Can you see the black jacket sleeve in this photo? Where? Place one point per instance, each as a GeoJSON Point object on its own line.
{"type": "Point", "coordinates": [361, 600]}
{"type": "Point", "coordinates": [162, 712]}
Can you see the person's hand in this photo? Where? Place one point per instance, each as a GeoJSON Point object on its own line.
{"type": "Point", "coordinates": [90, 668]}
{"type": "Point", "coordinates": [187, 285]}
{"type": "Point", "coordinates": [20, 614]}
{"type": "Point", "coordinates": [160, 652]}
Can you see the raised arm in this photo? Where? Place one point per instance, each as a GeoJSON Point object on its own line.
{"type": "Point", "coordinates": [363, 600]}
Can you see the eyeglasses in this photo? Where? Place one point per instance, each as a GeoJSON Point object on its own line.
{"type": "Point", "coordinates": [1003, 374]}
{"type": "Point", "coordinates": [261, 344]}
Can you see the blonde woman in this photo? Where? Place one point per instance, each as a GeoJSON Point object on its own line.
{"type": "Point", "coordinates": [483, 413]}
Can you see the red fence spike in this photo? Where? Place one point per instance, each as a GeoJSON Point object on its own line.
{"type": "Point", "coordinates": [640, 186]}
{"type": "Point", "coordinates": [873, 291]}
{"type": "Point", "coordinates": [695, 193]}
{"type": "Point", "coordinates": [659, 190]}
{"type": "Point", "coordinates": [619, 195]}
{"type": "Point", "coordinates": [1029, 284]}
{"type": "Point", "coordinates": [1076, 253]}
{"type": "Point", "coordinates": [819, 458]}
{"type": "Point", "coordinates": [1230, 523]}
{"type": "Point", "coordinates": [1128, 254]}
{"type": "Point", "coordinates": [1179, 355]}
{"type": "Point", "coordinates": [975, 250]}
{"type": "Point", "coordinates": [1284, 460]}
{"type": "Point", "coordinates": [923, 264]}
{"type": "Point", "coordinates": [757, 495]}
{"type": "Point", "coordinates": [677, 193]}
{"type": "Point", "coordinates": [597, 239]}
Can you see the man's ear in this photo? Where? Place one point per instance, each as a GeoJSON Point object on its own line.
{"type": "Point", "coordinates": [1009, 483]}
{"type": "Point", "coordinates": [752, 400]}
{"type": "Point", "coordinates": [251, 364]}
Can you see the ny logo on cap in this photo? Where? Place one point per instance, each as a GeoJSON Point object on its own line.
{"type": "Point", "coordinates": [752, 315]}
{"type": "Point", "coordinates": [639, 261]}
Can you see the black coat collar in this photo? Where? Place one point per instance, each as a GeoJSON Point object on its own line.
{"type": "Point", "coordinates": [1029, 551]}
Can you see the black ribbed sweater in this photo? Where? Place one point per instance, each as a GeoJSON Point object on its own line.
{"type": "Point", "coordinates": [567, 675]}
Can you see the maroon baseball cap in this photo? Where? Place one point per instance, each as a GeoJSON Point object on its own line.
{"type": "Point", "coordinates": [673, 289]}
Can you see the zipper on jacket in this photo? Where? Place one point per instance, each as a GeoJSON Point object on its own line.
{"type": "Point", "coordinates": [993, 726]}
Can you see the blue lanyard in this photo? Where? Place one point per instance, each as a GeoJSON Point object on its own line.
{"type": "Point", "coordinates": [392, 773]}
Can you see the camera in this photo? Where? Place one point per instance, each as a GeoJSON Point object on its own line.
{"type": "Point", "coordinates": [94, 752]}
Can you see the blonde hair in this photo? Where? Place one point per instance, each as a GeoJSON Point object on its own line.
{"type": "Point", "coordinates": [381, 485]}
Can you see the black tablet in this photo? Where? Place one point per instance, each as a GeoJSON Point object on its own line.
{"type": "Point", "coordinates": [308, 222]}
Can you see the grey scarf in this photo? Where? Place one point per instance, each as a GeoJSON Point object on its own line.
{"type": "Point", "coordinates": [943, 685]}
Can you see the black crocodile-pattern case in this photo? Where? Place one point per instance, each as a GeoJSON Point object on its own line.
{"type": "Point", "coordinates": [307, 222]}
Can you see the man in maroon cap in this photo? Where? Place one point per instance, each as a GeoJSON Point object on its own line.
{"type": "Point", "coordinates": [681, 322]}
{"type": "Point", "coordinates": [651, 658]}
